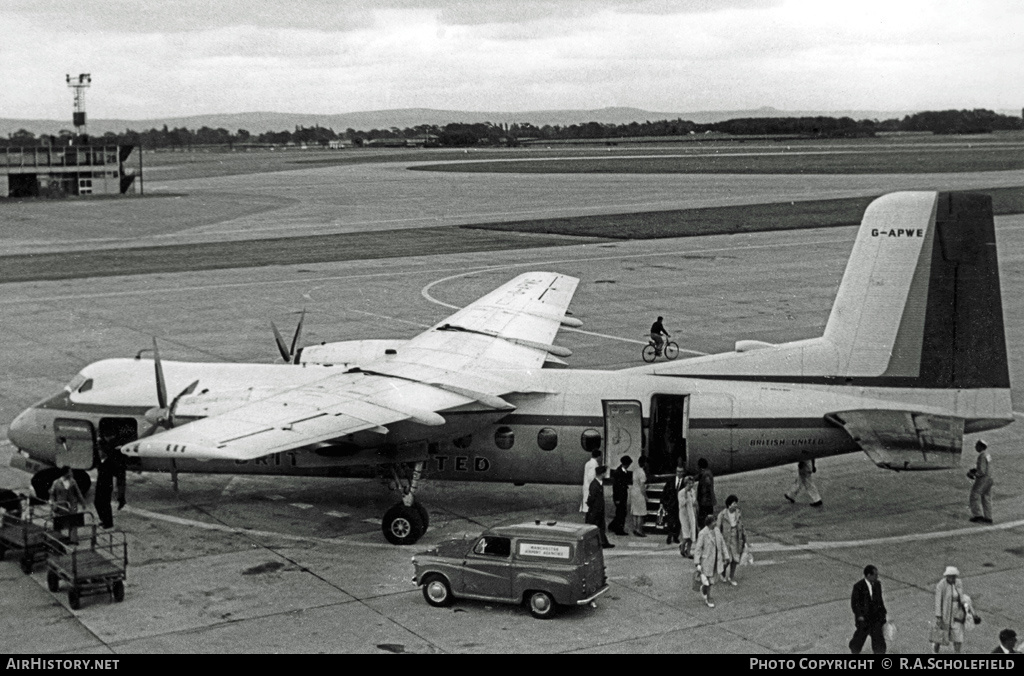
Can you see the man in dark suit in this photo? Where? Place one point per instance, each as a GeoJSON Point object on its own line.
{"type": "Point", "coordinates": [670, 503]}
{"type": "Point", "coordinates": [622, 479]}
{"type": "Point", "coordinates": [868, 612]}
{"type": "Point", "coordinates": [1007, 643]}
{"type": "Point", "coordinates": [595, 505]}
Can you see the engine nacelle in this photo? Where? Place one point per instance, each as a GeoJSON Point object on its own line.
{"type": "Point", "coordinates": [349, 352]}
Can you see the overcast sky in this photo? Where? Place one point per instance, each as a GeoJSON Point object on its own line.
{"type": "Point", "coordinates": [171, 58]}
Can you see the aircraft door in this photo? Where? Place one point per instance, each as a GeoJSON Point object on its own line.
{"type": "Point", "coordinates": [623, 430]}
{"type": "Point", "coordinates": [670, 414]}
{"type": "Point", "coordinates": [76, 443]}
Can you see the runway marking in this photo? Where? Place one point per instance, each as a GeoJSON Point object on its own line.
{"type": "Point", "coordinates": [156, 516]}
{"type": "Point", "coordinates": [636, 549]}
{"type": "Point", "coordinates": [425, 292]}
{"type": "Point", "coordinates": [846, 544]}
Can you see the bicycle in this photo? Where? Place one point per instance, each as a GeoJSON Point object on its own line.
{"type": "Point", "coordinates": [651, 351]}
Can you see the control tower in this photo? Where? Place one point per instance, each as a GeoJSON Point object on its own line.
{"type": "Point", "coordinates": [80, 84]}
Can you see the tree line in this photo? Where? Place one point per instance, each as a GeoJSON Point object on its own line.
{"type": "Point", "coordinates": [978, 121]}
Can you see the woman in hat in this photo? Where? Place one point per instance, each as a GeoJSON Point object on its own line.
{"type": "Point", "coordinates": [950, 611]}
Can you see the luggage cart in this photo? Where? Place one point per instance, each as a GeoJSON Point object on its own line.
{"type": "Point", "coordinates": [25, 529]}
{"type": "Point", "coordinates": [90, 561]}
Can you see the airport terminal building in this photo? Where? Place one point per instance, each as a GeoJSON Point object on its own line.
{"type": "Point", "coordinates": [61, 171]}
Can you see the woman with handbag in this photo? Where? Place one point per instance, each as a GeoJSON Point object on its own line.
{"type": "Point", "coordinates": [950, 611]}
{"type": "Point", "coordinates": [709, 557]}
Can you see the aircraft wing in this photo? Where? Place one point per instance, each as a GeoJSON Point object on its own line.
{"type": "Point", "coordinates": [904, 440]}
{"type": "Point", "coordinates": [513, 327]}
{"type": "Point", "coordinates": [467, 359]}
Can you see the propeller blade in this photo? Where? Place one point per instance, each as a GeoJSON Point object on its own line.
{"type": "Point", "coordinates": [174, 404]}
{"type": "Point", "coordinates": [161, 385]}
{"type": "Point", "coordinates": [298, 332]}
{"type": "Point", "coordinates": [152, 428]}
{"type": "Point", "coordinates": [280, 343]}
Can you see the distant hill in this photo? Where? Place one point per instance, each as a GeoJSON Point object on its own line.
{"type": "Point", "coordinates": [260, 122]}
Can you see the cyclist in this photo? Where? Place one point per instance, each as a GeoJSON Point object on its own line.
{"type": "Point", "coordinates": [657, 331]}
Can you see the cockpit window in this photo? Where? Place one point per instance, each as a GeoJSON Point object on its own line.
{"type": "Point", "coordinates": [86, 386]}
{"type": "Point", "coordinates": [75, 383]}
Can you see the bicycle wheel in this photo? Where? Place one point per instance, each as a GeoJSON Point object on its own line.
{"type": "Point", "coordinates": [671, 350]}
{"type": "Point", "coordinates": [649, 353]}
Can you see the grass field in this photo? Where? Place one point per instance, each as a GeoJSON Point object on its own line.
{"type": "Point", "coordinates": [864, 160]}
{"type": "Point", "coordinates": [891, 154]}
{"type": "Point", "coordinates": [140, 217]}
{"type": "Point", "coordinates": [727, 220]}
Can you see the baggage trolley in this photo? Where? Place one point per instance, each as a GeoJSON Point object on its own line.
{"type": "Point", "coordinates": [89, 561]}
{"type": "Point", "coordinates": [25, 529]}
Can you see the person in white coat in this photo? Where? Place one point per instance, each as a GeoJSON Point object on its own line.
{"type": "Point", "coordinates": [588, 475]}
{"type": "Point", "coordinates": [805, 481]}
{"type": "Point", "coordinates": [638, 498]}
{"type": "Point", "coordinates": [688, 516]}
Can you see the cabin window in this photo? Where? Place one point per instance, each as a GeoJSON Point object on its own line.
{"type": "Point", "coordinates": [504, 438]}
{"type": "Point", "coordinates": [590, 440]}
{"type": "Point", "coordinates": [547, 439]}
{"type": "Point", "coordinates": [494, 546]}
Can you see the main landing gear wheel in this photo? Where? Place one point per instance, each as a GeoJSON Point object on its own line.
{"type": "Point", "coordinates": [52, 581]}
{"type": "Point", "coordinates": [403, 525]}
{"type": "Point", "coordinates": [542, 606]}
{"type": "Point", "coordinates": [436, 591]}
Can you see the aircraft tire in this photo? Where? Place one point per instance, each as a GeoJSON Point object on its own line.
{"type": "Point", "coordinates": [74, 599]}
{"type": "Point", "coordinates": [402, 525]}
{"type": "Point", "coordinates": [52, 581]}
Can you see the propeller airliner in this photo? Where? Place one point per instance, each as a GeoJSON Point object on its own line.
{"type": "Point", "coordinates": [913, 357]}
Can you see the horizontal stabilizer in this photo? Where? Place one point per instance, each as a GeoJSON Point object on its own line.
{"type": "Point", "coordinates": [904, 440]}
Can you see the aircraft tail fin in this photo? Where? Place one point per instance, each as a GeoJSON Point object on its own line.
{"type": "Point", "coordinates": [920, 298]}
{"type": "Point", "coordinates": [919, 306]}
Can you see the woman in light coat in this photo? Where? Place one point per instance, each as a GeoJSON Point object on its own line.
{"type": "Point", "coordinates": [730, 522]}
{"type": "Point", "coordinates": [638, 497]}
{"type": "Point", "coordinates": [688, 515]}
{"type": "Point", "coordinates": [950, 611]}
{"type": "Point", "coordinates": [709, 557]}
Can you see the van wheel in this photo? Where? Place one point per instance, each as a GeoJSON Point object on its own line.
{"type": "Point", "coordinates": [542, 606]}
{"type": "Point", "coordinates": [402, 525]}
{"type": "Point", "coordinates": [436, 591]}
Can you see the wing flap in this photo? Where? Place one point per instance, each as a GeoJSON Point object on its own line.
{"type": "Point", "coordinates": [904, 440]}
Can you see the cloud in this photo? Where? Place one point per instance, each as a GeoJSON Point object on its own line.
{"type": "Point", "coordinates": [150, 60]}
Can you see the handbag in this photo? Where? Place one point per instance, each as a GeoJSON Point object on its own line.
{"type": "Point", "coordinates": [746, 558]}
{"type": "Point", "coordinates": [696, 581]}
